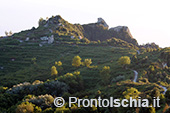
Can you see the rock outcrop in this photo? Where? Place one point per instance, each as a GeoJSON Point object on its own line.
{"type": "Point", "coordinates": [122, 29]}
{"type": "Point", "coordinates": [57, 26]}
{"type": "Point", "coordinates": [95, 32]}
{"type": "Point", "coordinates": [51, 39]}
{"type": "Point", "coordinates": [102, 22]}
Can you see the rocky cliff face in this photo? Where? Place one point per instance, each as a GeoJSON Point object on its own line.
{"type": "Point", "coordinates": [102, 22]}
{"type": "Point", "coordinates": [99, 31]}
{"type": "Point", "coordinates": [123, 33]}
{"type": "Point", "coordinates": [120, 29]}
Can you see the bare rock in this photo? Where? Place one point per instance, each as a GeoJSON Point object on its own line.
{"type": "Point", "coordinates": [51, 39]}
{"type": "Point", "coordinates": [44, 38]}
{"type": "Point", "coordinates": [102, 22]}
{"type": "Point", "coordinates": [122, 29]}
{"type": "Point", "coordinates": [27, 39]}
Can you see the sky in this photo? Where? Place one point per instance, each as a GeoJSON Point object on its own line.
{"type": "Point", "coordinates": [148, 20]}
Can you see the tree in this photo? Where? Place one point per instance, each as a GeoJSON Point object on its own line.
{"type": "Point", "coordinates": [53, 71]}
{"type": "Point", "coordinates": [25, 107]}
{"type": "Point", "coordinates": [6, 33]}
{"type": "Point", "coordinates": [131, 92]}
{"type": "Point", "coordinates": [151, 68]}
{"type": "Point", "coordinates": [76, 61]}
{"type": "Point", "coordinates": [152, 110]}
{"type": "Point", "coordinates": [10, 33]}
{"type": "Point", "coordinates": [28, 107]}
{"type": "Point", "coordinates": [155, 92]}
{"type": "Point", "coordinates": [40, 21]}
{"type": "Point", "coordinates": [59, 63]}
{"type": "Point", "coordinates": [34, 60]}
{"type": "Point", "coordinates": [98, 41]}
{"type": "Point", "coordinates": [59, 66]}
{"type": "Point", "coordinates": [162, 99]}
{"type": "Point", "coordinates": [56, 63]}
{"type": "Point", "coordinates": [77, 73]}
{"type": "Point", "coordinates": [87, 62]}
{"type": "Point", "coordinates": [105, 74]}
{"type": "Point", "coordinates": [85, 40]}
{"type": "Point", "coordinates": [124, 60]}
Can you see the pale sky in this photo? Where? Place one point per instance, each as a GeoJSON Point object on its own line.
{"type": "Point", "coordinates": [148, 20]}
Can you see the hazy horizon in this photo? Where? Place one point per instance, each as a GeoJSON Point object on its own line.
{"type": "Point", "coordinates": [148, 21]}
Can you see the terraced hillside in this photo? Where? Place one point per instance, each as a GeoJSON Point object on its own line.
{"type": "Point", "coordinates": [16, 60]}
{"type": "Point", "coordinates": [52, 60]}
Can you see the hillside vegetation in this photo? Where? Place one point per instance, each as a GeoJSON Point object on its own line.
{"type": "Point", "coordinates": [83, 61]}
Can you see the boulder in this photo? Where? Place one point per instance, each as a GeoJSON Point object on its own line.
{"type": "Point", "coordinates": [51, 39]}
{"type": "Point", "coordinates": [27, 39]}
{"type": "Point", "coordinates": [44, 38]}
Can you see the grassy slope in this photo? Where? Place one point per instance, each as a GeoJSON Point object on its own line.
{"type": "Point", "coordinates": [22, 69]}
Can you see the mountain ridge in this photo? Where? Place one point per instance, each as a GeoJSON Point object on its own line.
{"type": "Point", "coordinates": [93, 31]}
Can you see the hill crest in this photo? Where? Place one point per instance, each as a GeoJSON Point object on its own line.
{"type": "Point", "coordinates": [57, 26]}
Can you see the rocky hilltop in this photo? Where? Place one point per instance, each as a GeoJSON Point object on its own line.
{"type": "Point", "coordinates": [100, 31]}
{"type": "Point", "coordinates": [55, 25]}
{"type": "Point", "coordinates": [102, 22]}
{"type": "Point", "coordinates": [122, 29]}
{"type": "Point", "coordinates": [59, 27]}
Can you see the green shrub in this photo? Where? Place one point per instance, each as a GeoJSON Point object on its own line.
{"type": "Point", "coordinates": [49, 87]}
{"type": "Point", "coordinates": [76, 61]}
{"type": "Point", "coordinates": [124, 60]}
{"type": "Point", "coordinates": [105, 75]}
